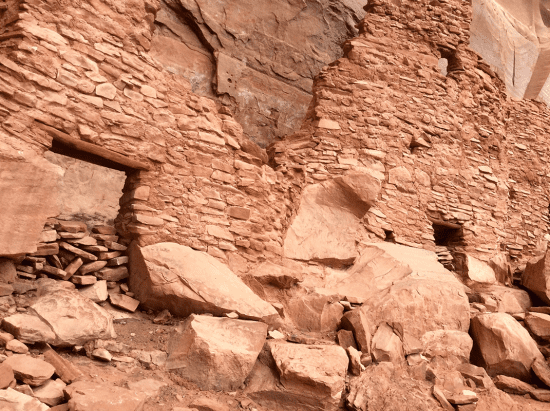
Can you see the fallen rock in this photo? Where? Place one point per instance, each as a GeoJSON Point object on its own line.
{"type": "Point", "coordinates": [345, 339]}
{"type": "Point", "coordinates": [357, 322]}
{"type": "Point", "coordinates": [148, 386]}
{"type": "Point", "coordinates": [276, 275]}
{"type": "Point", "coordinates": [17, 346]}
{"type": "Point", "coordinates": [536, 277]}
{"type": "Point", "coordinates": [386, 345]}
{"type": "Point", "coordinates": [208, 404]}
{"type": "Point", "coordinates": [315, 313]}
{"type": "Point", "coordinates": [422, 295]}
{"type": "Point", "coordinates": [355, 365]}
{"type": "Point", "coordinates": [477, 374]}
{"type": "Point", "coordinates": [503, 346]}
{"type": "Point", "coordinates": [315, 372]}
{"type": "Point", "coordinates": [509, 300]}
{"type": "Point", "coordinates": [215, 353]}
{"type": "Point", "coordinates": [30, 370]}
{"type": "Point", "coordinates": [51, 392]}
{"type": "Point", "coordinates": [73, 318]}
{"type": "Point", "coordinates": [451, 347]}
{"type": "Point", "coordinates": [28, 328]}
{"type": "Point", "coordinates": [538, 324]}
{"type": "Point", "coordinates": [512, 385]}
{"type": "Point", "coordinates": [90, 396]}
{"type": "Point", "coordinates": [96, 292]}
{"type": "Point", "coordinates": [124, 302]}
{"type": "Point", "coordinates": [541, 370]}
{"type": "Point", "coordinates": [15, 401]}
{"type": "Point", "coordinates": [379, 387]}
{"type": "Point", "coordinates": [6, 376]}
{"type": "Point", "coordinates": [184, 281]}
{"type": "Point", "coordinates": [328, 219]}
{"type": "Point", "coordinates": [473, 269]}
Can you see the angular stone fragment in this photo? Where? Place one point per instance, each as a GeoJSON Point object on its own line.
{"type": "Point", "coordinates": [28, 328]}
{"type": "Point", "coordinates": [15, 401]}
{"type": "Point", "coordinates": [476, 374]}
{"type": "Point", "coordinates": [328, 219]}
{"type": "Point", "coordinates": [73, 318]}
{"type": "Point", "coordinates": [345, 339]}
{"type": "Point", "coordinates": [536, 277]}
{"type": "Point", "coordinates": [92, 267]}
{"type": "Point", "coordinates": [512, 385]}
{"type": "Point", "coordinates": [106, 90]}
{"type": "Point", "coordinates": [541, 370]}
{"type": "Point", "coordinates": [184, 281]}
{"type": "Point", "coordinates": [538, 324]}
{"type": "Point", "coordinates": [124, 302]}
{"type": "Point", "coordinates": [315, 313]}
{"type": "Point", "coordinates": [51, 392]}
{"type": "Point", "coordinates": [215, 353]}
{"type": "Point", "coordinates": [91, 396]}
{"type": "Point", "coordinates": [30, 370]}
{"type": "Point", "coordinates": [6, 376]}
{"type": "Point", "coordinates": [503, 346]}
{"type": "Point", "coordinates": [475, 270]}
{"type": "Point", "coordinates": [96, 292]}
{"type": "Point", "coordinates": [78, 251]}
{"type": "Point", "coordinates": [17, 346]}
{"type": "Point", "coordinates": [113, 274]}
{"type": "Point", "coordinates": [317, 373]}
{"type": "Point", "coordinates": [386, 345]}
{"type": "Point", "coordinates": [452, 346]}
{"type": "Point", "coordinates": [84, 279]}
{"type": "Point", "coordinates": [357, 322]}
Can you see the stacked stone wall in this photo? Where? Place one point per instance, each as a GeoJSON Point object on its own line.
{"type": "Point", "coordinates": [452, 149]}
{"type": "Point", "coordinates": [82, 68]}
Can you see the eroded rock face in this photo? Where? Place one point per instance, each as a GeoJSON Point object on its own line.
{"type": "Point", "coordinates": [503, 346]}
{"type": "Point", "coordinates": [326, 226]}
{"type": "Point", "coordinates": [265, 72]}
{"type": "Point", "coordinates": [24, 184]}
{"type": "Point", "coordinates": [215, 353]}
{"type": "Point", "coordinates": [184, 281]}
{"type": "Point", "coordinates": [89, 396]}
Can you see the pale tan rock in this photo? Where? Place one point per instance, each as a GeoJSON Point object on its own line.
{"type": "Point", "coordinates": [28, 328]}
{"type": "Point", "coordinates": [357, 322]}
{"type": "Point", "coordinates": [106, 90]}
{"type": "Point", "coordinates": [215, 353]}
{"type": "Point", "coordinates": [503, 346]}
{"type": "Point", "coordinates": [30, 370]}
{"type": "Point", "coordinates": [96, 292]}
{"type": "Point", "coordinates": [123, 301]}
{"type": "Point", "coordinates": [475, 270]}
{"type": "Point", "coordinates": [73, 318]}
{"type": "Point", "coordinates": [195, 281]}
{"type": "Point", "coordinates": [512, 385]}
{"type": "Point", "coordinates": [16, 401]}
{"type": "Point", "coordinates": [538, 324]}
{"type": "Point", "coordinates": [315, 313]}
{"type": "Point", "coordinates": [17, 346]}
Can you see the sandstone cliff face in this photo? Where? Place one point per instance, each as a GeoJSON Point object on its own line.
{"type": "Point", "coordinates": [257, 58]}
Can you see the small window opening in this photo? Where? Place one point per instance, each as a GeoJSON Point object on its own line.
{"type": "Point", "coordinates": [390, 236]}
{"type": "Point", "coordinates": [450, 61]}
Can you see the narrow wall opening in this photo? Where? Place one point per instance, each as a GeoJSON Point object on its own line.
{"type": "Point", "coordinates": [448, 237]}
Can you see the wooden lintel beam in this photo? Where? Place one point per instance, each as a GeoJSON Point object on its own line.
{"type": "Point", "coordinates": [445, 223]}
{"type": "Point", "coordinates": [93, 149]}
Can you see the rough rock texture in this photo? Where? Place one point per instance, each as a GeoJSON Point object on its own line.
{"type": "Point", "coordinates": [536, 277]}
{"type": "Point", "coordinates": [259, 58]}
{"type": "Point", "coordinates": [328, 220]}
{"type": "Point", "coordinates": [475, 270]}
{"type": "Point", "coordinates": [89, 396]}
{"type": "Point", "coordinates": [185, 281]}
{"type": "Point", "coordinates": [314, 313]}
{"type": "Point", "coordinates": [73, 318]}
{"type": "Point", "coordinates": [312, 377]}
{"type": "Point", "coordinates": [428, 298]}
{"type": "Point", "coordinates": [25, 181]}
{"type": "Point", "coordinates": [503, 346]}
{"type": "Point", "coordinates": [30, 370]}
{"type": "Point", "coordinates": [28, 328]}
{"type": "Point", "coordinates": [454, 347]}
{"type": "Point", "coordinates": [215, 353]}
{"type": "Point", "coordinates": [16, 401]}
{"type": "Point", "coordinates": [509, 300]}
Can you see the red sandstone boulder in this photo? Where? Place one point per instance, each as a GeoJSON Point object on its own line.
{"type": "Point", "coordinates": [326, 226]}
{"type": "Point", "coordinates": [215, 353]}
{"type": "Point", "coordinates": [503, 346]}
{"type": "Point", "coordinates": [184, 281]}
{"type": "Point", "coordinates": [91, 396]}
{"type": "Point", "coordinates": [536, 277]}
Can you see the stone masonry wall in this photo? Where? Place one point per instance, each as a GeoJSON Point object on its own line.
{"type": "Point", "coordinates": [452, 148]}
{"type": "Point", "coordinates": [81, 68]}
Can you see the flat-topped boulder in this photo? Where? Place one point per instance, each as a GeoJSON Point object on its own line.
{"type": "Point", "coordinates": [175, 277]}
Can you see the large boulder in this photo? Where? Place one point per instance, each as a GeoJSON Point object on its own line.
{"type": "Point", "coordinates": [26, 181]}
{"type": "Point", "coordinates": [474, 270]}
{"type": "Point", "coordinates": [503, 346]}
{"type": "Point", "coordinates": [328, 219]}
{"type": "Point", "coordinates": [315, 313]}
{"type": "Point", "coordinates": [184, 281]}
{"type": "Point", "coordinates": [307, 377]}
{"type": "Point", "coordinates": [447, 347]}
{"type": "Point", "coordinates": [407, 286]}
{"type": "Point", "coordinates": [72, 317]}
{"type": "Point", "coordinates": [215, 353]}
{"type": "Point", "coordinates": [536, 277]}
{"type": "Point", "coordinates": [509, 300]}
